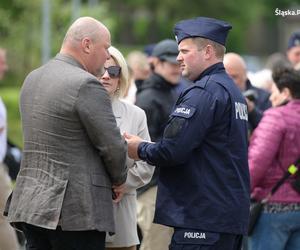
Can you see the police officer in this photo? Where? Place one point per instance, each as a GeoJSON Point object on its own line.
{"type": "Point", "coordinates": [203, 189]}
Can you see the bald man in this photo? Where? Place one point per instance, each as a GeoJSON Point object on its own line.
{"type": "Point", "coordinates": [73, 151]}
{"type": "Point", "coordinates": [257, 99]}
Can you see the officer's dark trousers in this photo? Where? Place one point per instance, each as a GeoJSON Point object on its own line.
{"type": "Point", "coordinates": [44, 239]}
{"type": "Point", "coordinates": [189, 239]}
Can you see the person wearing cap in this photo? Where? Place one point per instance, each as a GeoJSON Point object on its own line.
{"type": "Point", "coordinates": [293, 50]}
{"type": "Point", "coordinates": [156, 97]}
{"type": "Point", "coordinates": [203, 187]}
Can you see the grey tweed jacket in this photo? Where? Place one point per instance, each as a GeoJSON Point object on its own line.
{"type": "Point", "coordinates": [73, 150]}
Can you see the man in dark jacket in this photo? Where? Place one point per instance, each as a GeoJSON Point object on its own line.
{"type": "Point", "coordinates": [257, 99]}
{"type": "Point", "coordinates": [157, 96]}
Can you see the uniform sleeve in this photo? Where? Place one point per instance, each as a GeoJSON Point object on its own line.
{"type": "Point", "coordinates": [190, 121]}
{"type": "Point", "coordinates": [141, 172]}
{"type": "Point", "coordinates": [94, 108]}
{"type": "Point", "coordinates": [264, 145]}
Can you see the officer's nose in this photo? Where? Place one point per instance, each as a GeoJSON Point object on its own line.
{"type": "Point", "coordinates": [179, 57]}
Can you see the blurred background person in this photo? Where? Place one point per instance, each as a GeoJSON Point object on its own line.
{"type": "Point", "coordinates": [277, 98]}
{"type": "Point", "coordinates": [293, 50]}
{"type": "Point", "coordinates": [8, 239]}
{"type": "Point", "coordinates": [274, 146]}
{"type": "Point", "coordinates": [129, 118]}
{"type": "Point", "coordinates": [139, 71]}
{"type": "Point", "coordinates": [157, 97]}
{"type": "Point", "coordinates": [257, 99]}
{"type": "Point", "coordinates": [157, 93]}
{"type": "Point", "coordinates": [277, 60]}
{"type": "Point", "coordinates": [262, 79]}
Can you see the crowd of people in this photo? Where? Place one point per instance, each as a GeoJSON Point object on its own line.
{"type": "Point", "coordinates": [163, 149]}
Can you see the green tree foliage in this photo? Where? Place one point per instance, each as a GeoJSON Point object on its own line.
{"type": "Point", "coordinates": [131, 22]}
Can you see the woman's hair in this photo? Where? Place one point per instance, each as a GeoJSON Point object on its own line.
{"type": "Point", "coordinates": [286, 77]}
{"type": "Point", "coordinates": [124, 77]}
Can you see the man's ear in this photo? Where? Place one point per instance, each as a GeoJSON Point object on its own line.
{"type": "Point", "coordinates": [86, 44]}
{"type": "Point", "coordinates": [286, 93]}
{"type": "Point", "coordinates": [209, 51]}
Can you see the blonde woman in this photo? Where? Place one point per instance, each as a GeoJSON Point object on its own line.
{"type": "Point", "coordinates": [131, 119]}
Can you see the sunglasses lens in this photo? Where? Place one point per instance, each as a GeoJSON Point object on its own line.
{"type": "Point", "coordinates": [114, 71]}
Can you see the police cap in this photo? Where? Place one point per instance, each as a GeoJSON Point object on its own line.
{"type": "Point", "coordinates": [209, 28]}
{"type": "Point", "coordinates": [294, 40]}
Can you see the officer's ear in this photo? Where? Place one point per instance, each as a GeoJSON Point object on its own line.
{"type": "Point", "coordinates": [209, 52]}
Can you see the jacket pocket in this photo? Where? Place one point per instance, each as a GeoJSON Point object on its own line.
{"type": "Point", "coordinates": [100, 180]}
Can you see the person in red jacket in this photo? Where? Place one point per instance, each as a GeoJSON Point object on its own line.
{"type": "Point", "coordinates": [274, 146]}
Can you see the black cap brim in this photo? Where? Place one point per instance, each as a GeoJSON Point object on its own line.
{"type": "Point", "coordinates": [170, 59]}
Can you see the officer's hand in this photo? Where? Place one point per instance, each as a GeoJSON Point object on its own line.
{"type": "Point", "coordinates": [133, 143]}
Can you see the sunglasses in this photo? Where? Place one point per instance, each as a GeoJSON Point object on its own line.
{"type": "Point", "coordinates": [113, 71]}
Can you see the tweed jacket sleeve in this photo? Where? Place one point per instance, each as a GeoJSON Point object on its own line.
{"type": "Point", "coordinates": [102, 129]}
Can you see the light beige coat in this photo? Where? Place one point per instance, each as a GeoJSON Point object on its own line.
{"type": "Point", "coordinates": [131, 119]}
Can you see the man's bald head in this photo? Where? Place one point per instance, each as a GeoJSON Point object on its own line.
{"type": "Point", "coordinates": [235, 67]}
{"type": "Point", "coordinates": [84, 27]}
{"type": "Point", "coordinates": [87, 40]}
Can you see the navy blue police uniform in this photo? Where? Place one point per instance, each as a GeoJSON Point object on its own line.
{"type": "Point", "coordinates": [203, 189]}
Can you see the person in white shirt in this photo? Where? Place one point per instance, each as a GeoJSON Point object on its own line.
{"type": "Point", "coordinates": [8, 238]}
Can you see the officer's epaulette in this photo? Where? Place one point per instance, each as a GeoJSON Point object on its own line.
{"type": "Point", "coordinates": [199, 84]}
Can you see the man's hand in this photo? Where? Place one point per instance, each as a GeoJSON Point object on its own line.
{"type": "Point", "coordinates": [118, 192]}
{"type": "Point", "coordinates": [133, 143]}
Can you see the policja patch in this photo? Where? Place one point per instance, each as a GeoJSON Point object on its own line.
{"type": "Point", "coordinates": [178, 118]}
{"type": "Point", "coordinates": [193, 238]}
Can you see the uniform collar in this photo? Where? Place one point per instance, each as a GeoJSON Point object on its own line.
{"type": "Point", "coordinates": [211, 69]}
